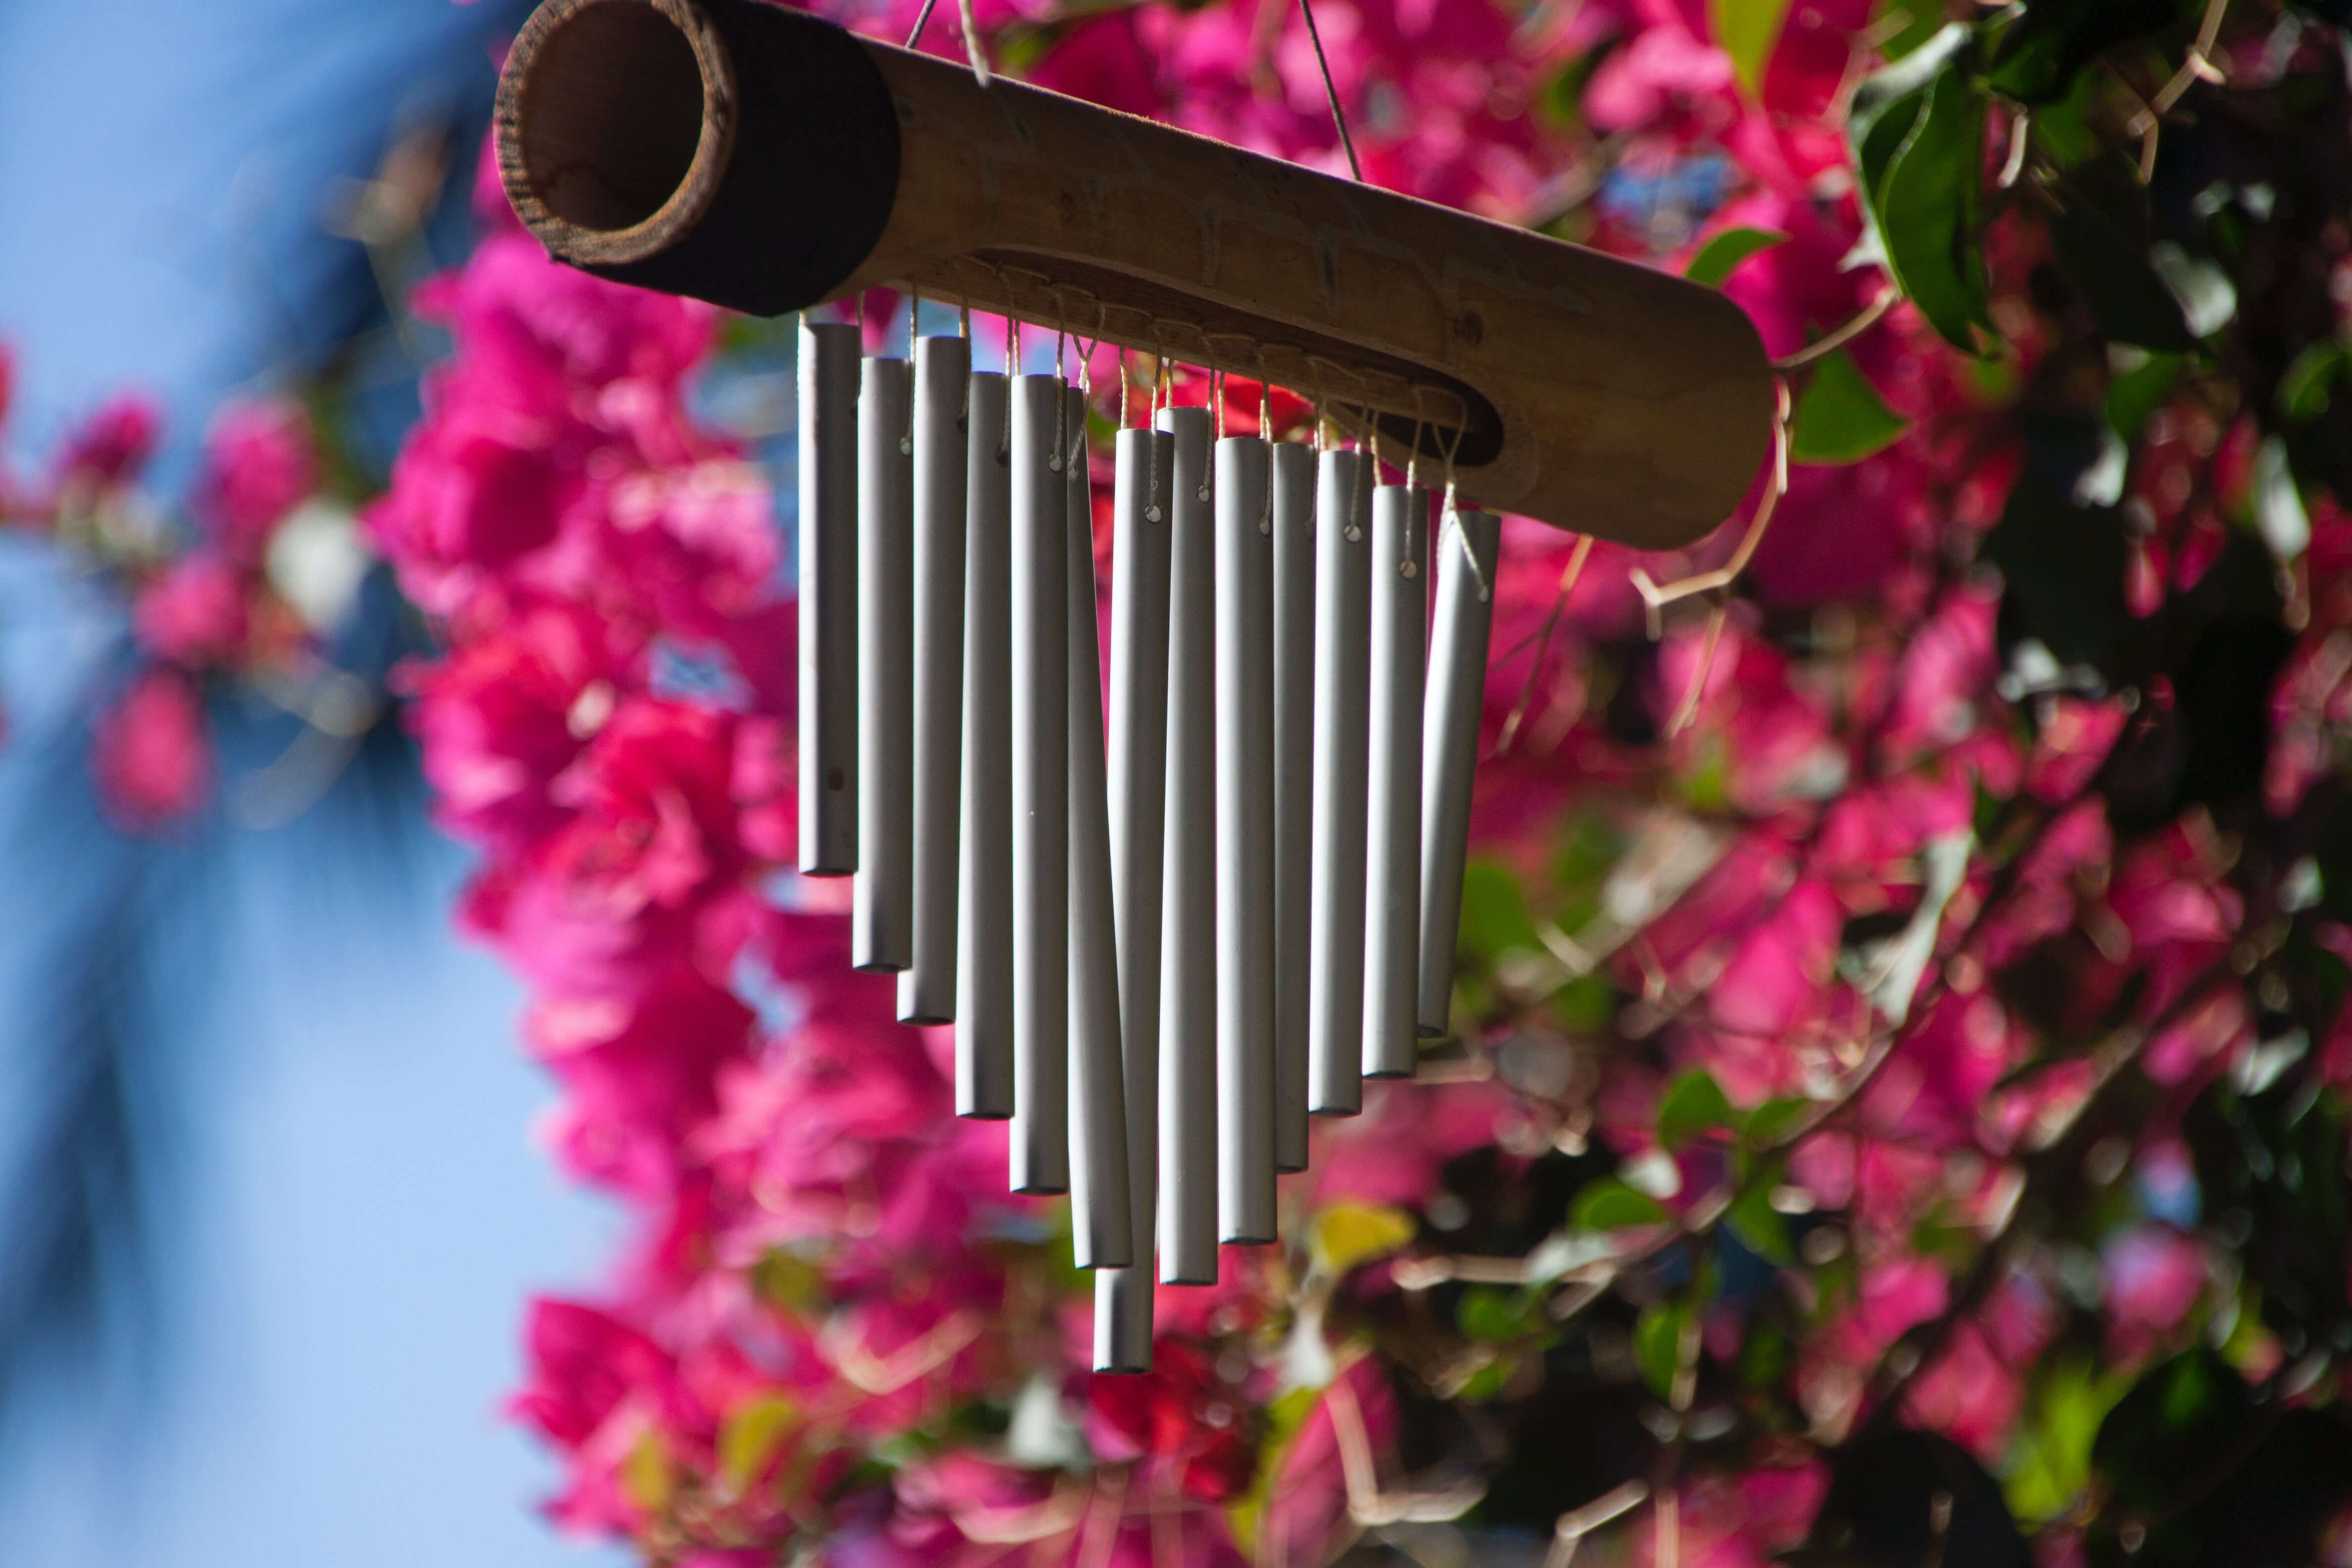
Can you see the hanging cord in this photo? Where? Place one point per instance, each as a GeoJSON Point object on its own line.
{"type": "Point", "coordinates": [1453, 524]}
{"type": "Point", "coordinates": [922, 19]}
{"type": "Point", "coordinates": [1339, 115]}
{"type": "Point", "coordinates": [972, 47]}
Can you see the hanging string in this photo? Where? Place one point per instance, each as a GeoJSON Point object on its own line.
{"type": "Point", "coordinates": [1339, 115]}
{"type": "Point", "coordinates": [914, 316]}
{"type": "Point", "coordinates": [972, 47]}
{"type": "Point", "coordinates": [922, 19]}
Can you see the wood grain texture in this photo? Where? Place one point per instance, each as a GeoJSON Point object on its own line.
{"type": "Point", "coordinates": [1587, 391]}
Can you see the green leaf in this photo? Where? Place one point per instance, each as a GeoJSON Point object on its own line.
{"type": "Point", "coordinates": [1772, 1120]}
{"type": "Point", "coordinates": [1499, 1316]}
{"type": "Point", "coordinates": [1494, 916]}
{"type": "Point", "coordinates": [1693, 1104]}
{"type": "Point", "coordinates": [2134, 393]}
{"type": "Point", "coordinates": [1610, 1204]}
{"type": "Point", "coordinates": [1746, 30]}
{"type": "Point", "coordinates": [1759, 1225]}
{"type": "Point", "coordinates": [2303, 390]}
{"type": "Point", "coordinates": [2044, 51]}
{"type": "Point", "coordinates": [648, 1478]}
{"type": "Point", "coordinates": [1927, 212]}
{"type": "Point", "coordinates": [1841, 418]}
{"type": "Point", "coordinates": [1346, 1235]}
{"type": "Point", "coordinates": [1719, 255]}
{"type": "Point", "coordinates": [1658, 1344]}
{"type": "Point", "coordinates": [2160, 1435]}
{"type": "Point", "coordinates": [750, 1437]}
{"type": "Point", "coordinates": [2100, 235]}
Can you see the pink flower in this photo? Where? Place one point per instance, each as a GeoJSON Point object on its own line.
{"type": "Point", "coordinates": [259, 462]}
{"type": "Point", "coordinates": [1180, 1414]}
{"type": "Point", "coordinates": [151, 753]}
{"type": "Point", "coordinates": [112, 447]}
{"type": "Point", "coordinates": [2151, 1276]}
{"type": "Point", "coordinates": [194, 613]}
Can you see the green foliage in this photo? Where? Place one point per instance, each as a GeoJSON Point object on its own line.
{"type": "Point", "coordinates": [1720, 256]}
{"type": "Point", "coordinates": [2101, 236]}
{"type": "Point", "coordinates": [1759, 1225]}
{"type": "Point", "coordinates": [1610, 1204]}
{"type": "Point", "coordinates": [1693, 1105]}
{"type": "Point", "coordinates": [1917, 131]}
{"type": "Point", "coordinates": [1746, 30]}
{"type": "Point", "coordinates": [1658, 1344]}
{"type": "Point", "coordinates": [2043, 52]}
{"type": "Point", "coordinates": [2050, 1457]}
{"type": "Point", "coordinates": [1841, 418]}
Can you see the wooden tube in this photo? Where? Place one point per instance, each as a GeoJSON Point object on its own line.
{"type": "Point", "coordinates": [882, 926]}
{"type": "Point", "coordinates": [1101, 1218]}
{"type": "Point", "coordinates": [765, 159]}
{"type": "Point", "coordinates": [1456, 701]}
{"type": "Point", "coordinates": [1188, 970]}
{"type": "Point", "coordinates": [828, 598]}
{"type": "Point", "coordinates": [926, 992]}
{"type": "Point", "coordinates": [984, 880]}
{"type": "Point", "coordinates": [1335, 967]}
{"type": "Point", "coordinates": [1140, 484]}
{"type": "Point", "coordinates": [1244, 684]}
{"type": "Point", "coordinates": [1293, 789]}
{"type": "Point", "coordinates": [1393, 794]}
{"type": "Point", "coordinates": [1041, 778]}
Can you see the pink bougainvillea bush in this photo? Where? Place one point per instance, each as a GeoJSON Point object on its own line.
{"type": "Point", "coordinates": [1898, 1112]}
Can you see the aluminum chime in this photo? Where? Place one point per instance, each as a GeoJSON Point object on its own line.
{"type": "Point", "coordinates": [1214, 917]}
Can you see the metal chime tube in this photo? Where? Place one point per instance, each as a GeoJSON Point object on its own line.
{"type": "Point", "coordinates": [1188, 977]}
{"type": "Point", "coordinates": [1335, 970]}
{"type": "Point", "coordinates": [1141, 480]}
{"type": "Point", "coordinates": [828, 598]}
{"type": "Point", "coordinates": [1457, 690]}
{"type": "Point", "coordinates": [1293, 789]}
{"type": "Point", "coordinates": [1041, 762]}
{"type": "Point", "coordinates": [1400, 601]}
{"type": "Point", "coordinates": [1245, 879]}
{"type": "Point", "coordinates": [983, 994]}
{"type": "Point", "coordinates": [926, 992]}
{"type": "Point", "coordinates": [882, 930]}
{"type": "Point", "coordinates": [1102, 1221]}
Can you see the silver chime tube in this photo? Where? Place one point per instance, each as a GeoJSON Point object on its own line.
{"type": "Point", "coordinates": [1041, 778]}
{"type": "Point", "coordinates": [882, 926]}
{"type": "Point", "coordinates": [1293, 789]}
{"type": "Point", "coordinates": [828, 598]}
{"type": "Point", "coordinates": [1400, 603]}
{"type": "Point", "coordinates": [1335, 968]}
{"type": "Point", "coordinates": [1466, 556]}
{"type": "Point", "coordinates": [1245, 879]}
{"type": "Point", "coordinates": [926, 992]}
{"type": "Point", "coordinates": [1102, 1220]}
{"type": "Point", "coordinates": [1188, 975]}
{"type": "Point", "coordinates": [1141, 480]}
{"type": "Point", "coordinates": [983, 994]}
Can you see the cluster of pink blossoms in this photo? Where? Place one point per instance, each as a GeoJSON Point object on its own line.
{"type": "Point", "coordinates": [203, 603]}
{"type": "Point", "coordinates": [1768, 866]}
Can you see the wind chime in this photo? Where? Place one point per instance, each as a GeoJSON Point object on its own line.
{"type": "Point", "coordinates": [1217, 919]}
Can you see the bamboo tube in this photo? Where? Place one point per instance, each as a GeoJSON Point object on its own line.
{"type": "Point", "coordinates": [1335, 969]}
{"type": "Point", "coordinates": [1244, 703]}
{"type": "Point", "coordinates": [1293, 789]}
{"type": "Point", "coordinates": [926, 992]}
{"type": "Point", "coordinates": [1467, 559]}
{"type": "Point", "coordinates": [1188, 1013]}
{"type": "Point", "coordinates": [882, 930]}
{"type": "Point", "coordinates": [766, 160]}
{"type": "Point", "coordinates": [1393, 796]}
{"type": "Point", "coordinates": [1041, 762]}
{"type": "Point", "coordinates": [828, 598]}
{"type": "Point", "coordinates": [984, 880]}
{"type": "Point", "coordinates": [1141, 487]}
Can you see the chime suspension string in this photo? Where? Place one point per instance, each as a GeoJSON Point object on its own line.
{"type": "Point", "coordinates": [1040, 681]}
{"type": "Point", "coordinates": [1339, 115]}
{"type": "Point", "coordinates": [1138, 784]}
{"type": "Point", "coordinates": [1393, 860]}
{"type": "Point", "coordinates": [829, 375]}
{"type": "Point", "coordinates": [1245, 838]}
{"type": "Point", "coordinates": [1188, 1017]}
{"type": "Point", "coordinates": [1294, 507]}
{"type": "Point", "coordinates": [1102, 1216]}
{"type": "Point", "coordinates": [926, 992]}
{"type": "Point", "coordinates": [984, 881]}
{"type": "Point", "coordinates": [1335, 984]}
{"type": "Point", "coordinates": [882, 916]}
